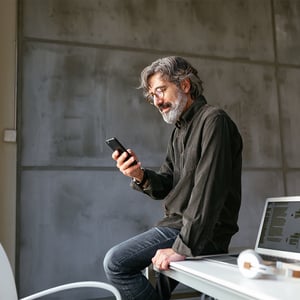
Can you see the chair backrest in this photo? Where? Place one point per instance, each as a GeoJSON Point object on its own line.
{"type": "Point", "coordinates": [7, 281]}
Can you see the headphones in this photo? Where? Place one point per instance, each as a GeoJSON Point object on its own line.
{"type": "Point", "coordinates": [251, 265]}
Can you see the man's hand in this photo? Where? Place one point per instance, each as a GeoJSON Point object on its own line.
{"type": "Point", "coordinates": [163, 257]}
{"type": "Point", "coordinates": [130, 167]}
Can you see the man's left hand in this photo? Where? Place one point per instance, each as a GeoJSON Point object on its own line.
{"type": "Point", "coordinates": [163, 257]}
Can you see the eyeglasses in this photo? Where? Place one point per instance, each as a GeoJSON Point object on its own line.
{"type": "Point", "coordinates": [159, 93]}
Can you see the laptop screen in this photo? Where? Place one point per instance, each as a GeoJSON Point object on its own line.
{"type": "Point", "coordinates": [279, 232]}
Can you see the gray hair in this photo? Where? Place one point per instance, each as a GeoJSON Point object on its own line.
{"type": "Point", "coordinates": [174, 69]}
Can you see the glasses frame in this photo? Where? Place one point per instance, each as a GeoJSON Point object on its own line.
{"type": "Point", "coordinates": [159, 93]}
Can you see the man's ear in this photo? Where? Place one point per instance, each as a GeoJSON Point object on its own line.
{"type": "Point", "coordinates": [185, 85]}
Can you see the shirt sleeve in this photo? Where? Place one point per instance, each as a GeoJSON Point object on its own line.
{"type": "Point", "coordinates": [158, 186]}
{"type": "Point", "coordinates": [212, 180]}
{"type": "Point", "coordinates": [159, 183]}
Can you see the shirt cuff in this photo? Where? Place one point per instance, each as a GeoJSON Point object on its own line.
{"type": "Point", "coordinates": [180, 248]}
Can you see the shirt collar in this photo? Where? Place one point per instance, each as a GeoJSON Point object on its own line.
{"type": "Point", "coordinates": [187, 116]}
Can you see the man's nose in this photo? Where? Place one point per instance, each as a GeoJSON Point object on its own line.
{"type": "Point", "coordinates": [157, 100]}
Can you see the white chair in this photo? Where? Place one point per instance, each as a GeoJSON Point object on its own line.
{"type": "Point", "coordinates": [8, 289]}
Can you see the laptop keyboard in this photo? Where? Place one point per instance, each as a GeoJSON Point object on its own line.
{"type": "Point", "coordinates": [226, 258]}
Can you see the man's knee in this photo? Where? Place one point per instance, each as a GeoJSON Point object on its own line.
{"type": "Point", "coordinates": [109, 262]}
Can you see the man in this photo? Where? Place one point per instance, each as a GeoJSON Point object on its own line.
{"type": "Point", "coordinates": [199, 181]}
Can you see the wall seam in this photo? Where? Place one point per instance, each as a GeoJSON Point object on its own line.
{"type": "Point", "coordinates": [155, 51]}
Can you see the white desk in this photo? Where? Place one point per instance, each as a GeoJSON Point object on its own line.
{"type": "Point", "coordinates": [225, 282]}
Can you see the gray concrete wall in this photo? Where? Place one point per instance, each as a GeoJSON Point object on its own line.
{"type": "Point", "coordinates": [80, 67]}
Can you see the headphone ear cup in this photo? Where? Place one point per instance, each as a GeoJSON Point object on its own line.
{"type": "Point", "coordinates": [249, 263]}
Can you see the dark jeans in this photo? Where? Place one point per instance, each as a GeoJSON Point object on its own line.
{"type": "Point", "coordinates": [124, 265]}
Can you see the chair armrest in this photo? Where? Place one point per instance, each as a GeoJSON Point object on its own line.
{"type": "Point", "coordinates": [74, 285]}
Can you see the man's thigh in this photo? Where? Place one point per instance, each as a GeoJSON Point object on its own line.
{"type": "Point", "coordinates": [138, 251]}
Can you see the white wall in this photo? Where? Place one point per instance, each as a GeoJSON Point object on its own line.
{"type": "Point", "coordinates": [8, 151]}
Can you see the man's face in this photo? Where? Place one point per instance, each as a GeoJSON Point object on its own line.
{"type": "Point", "coordinates": [167, 98]}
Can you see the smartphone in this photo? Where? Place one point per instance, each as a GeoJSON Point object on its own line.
{"type": "Point", "coordinates": [114, 144]}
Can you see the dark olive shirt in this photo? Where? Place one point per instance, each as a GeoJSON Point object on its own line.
{"type": "Point", "coordinates": [200, 180]}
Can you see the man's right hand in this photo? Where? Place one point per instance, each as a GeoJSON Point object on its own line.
{"type": "Point", "coordinates": [130, 167]}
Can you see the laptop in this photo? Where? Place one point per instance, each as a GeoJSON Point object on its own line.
{"type": "Point", "coordinates": [278, 237]}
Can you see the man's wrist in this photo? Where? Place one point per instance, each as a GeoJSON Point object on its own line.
{"type": "Point", "coordinates": [143, 181]}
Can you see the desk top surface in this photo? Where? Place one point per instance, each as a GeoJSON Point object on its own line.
{"type": "Point", "coordinates": [230, 279]}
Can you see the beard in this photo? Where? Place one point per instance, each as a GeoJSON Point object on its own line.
{"type": "Point", "coordinates": [177, 108]}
